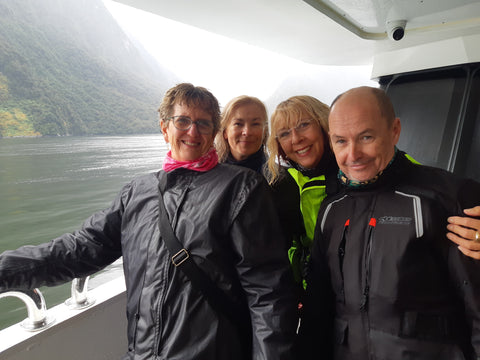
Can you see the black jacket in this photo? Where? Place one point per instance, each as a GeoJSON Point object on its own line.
{"type": "Point", "coordinates": [382, 264]}
{"type": "Point", "coordinates": [226, 220]}
{"type": "Point", "coordinates": [287, 199]}
{"type": "Point", "coordinates": [255, 162]}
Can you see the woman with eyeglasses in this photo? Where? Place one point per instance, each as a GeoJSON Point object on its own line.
{"type": "Point", "coordinates": [243, 133]}
{"type": "Point", "coordinates": [204, 277]}
{"type": "Point", "coordinates": [300, 156]}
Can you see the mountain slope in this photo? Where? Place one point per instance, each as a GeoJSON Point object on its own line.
{"type": "Point", "coordinates": [67, 68]}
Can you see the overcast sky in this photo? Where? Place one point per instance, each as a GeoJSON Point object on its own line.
{"type": "Point", "coordinates": [226, 67]}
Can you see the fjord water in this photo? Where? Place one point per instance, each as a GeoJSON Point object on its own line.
{"type": "Point", "coordinates": [49, 186]}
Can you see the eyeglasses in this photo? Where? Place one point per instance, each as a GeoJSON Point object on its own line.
{"type": "Point", "coordinates": [184, 123]}
{"type": "Point", "coordinates": [302, 127]}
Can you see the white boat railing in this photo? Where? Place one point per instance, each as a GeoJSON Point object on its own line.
{"type": "Point", "coordinates": [38, 318]}
{"type": "Point", "coordinates": [97, 317]}
{"type": "Point", "coordinates": [79, 295]}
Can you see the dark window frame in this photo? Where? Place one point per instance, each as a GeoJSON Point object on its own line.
{"type": "Point", "coordinates": [452, 145]}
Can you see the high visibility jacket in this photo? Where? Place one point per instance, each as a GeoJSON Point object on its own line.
{"type": "Point", "coordinates": [312, 192]}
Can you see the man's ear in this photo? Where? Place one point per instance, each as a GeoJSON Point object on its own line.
{"type": "Point", "coordinates": [397, 128]}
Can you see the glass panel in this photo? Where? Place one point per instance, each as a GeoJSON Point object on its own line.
{"type": "Point", "coordinates": [428, 106]}
{"type": "Point", "coordinates": [469, 165]}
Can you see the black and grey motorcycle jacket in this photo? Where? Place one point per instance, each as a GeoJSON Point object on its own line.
{"type": "Point", "coordinates": [227, 222]}
{"type": "Point", "coordinates": [382, 266]}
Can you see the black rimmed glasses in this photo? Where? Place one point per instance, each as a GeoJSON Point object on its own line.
{"type": "Point", "coordinates": [302, 127]}
{"type": "Point", "coordinates": [184, 123]}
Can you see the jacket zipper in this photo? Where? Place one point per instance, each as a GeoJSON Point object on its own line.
{"type": "Point", "coordinates": [341, 257]}
{"type": "Point", "coordinates": [138, 310]}
{"type": "Point", "coordinates": [160, 307]}
{"type": "Point", "coordinates": [368, 264]}
{"type": "Point", "coordinates": [366, 289]}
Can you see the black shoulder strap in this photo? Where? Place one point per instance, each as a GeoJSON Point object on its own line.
{"type": "Point", "coordinates": [181, 258]}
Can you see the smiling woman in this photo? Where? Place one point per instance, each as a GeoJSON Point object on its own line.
{"type": "Point", "coordinates": [246, 131]}
{"type": "Point", "coordinates": [300, 156]}
{"type": "Point", "coordinates": [189, 121]}
{"type": "Point", "coordinates": [243, 133]}
{"type": "Point", "coordinates": [224, 222]}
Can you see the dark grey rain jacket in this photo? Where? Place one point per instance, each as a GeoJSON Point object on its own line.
{"type": "Point", "coordinates": [226, 219]}
{"type": "Point", "coordinates": [399, 288]}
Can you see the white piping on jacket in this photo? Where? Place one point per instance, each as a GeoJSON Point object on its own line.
{"type": "Point", "coordinates": [329, 206]}
{"type": "Point", "coordinates": [417, 208]}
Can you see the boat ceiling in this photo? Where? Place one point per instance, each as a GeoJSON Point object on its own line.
{"type": "Point", "coordinates": [340, 32]}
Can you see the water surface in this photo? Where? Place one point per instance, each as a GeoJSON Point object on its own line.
{"type": "Point", "coordinates": [49, 186]}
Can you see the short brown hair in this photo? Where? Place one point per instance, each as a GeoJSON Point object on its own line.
{"type": "Point", "coordinates": [195, 96]}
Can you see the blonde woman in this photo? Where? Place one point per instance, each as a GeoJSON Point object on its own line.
{"type": "Point", "coordinates": [243, 133]}
{"type": "Point", "coordinates": [300, 156]}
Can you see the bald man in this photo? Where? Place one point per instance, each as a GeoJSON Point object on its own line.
{"type": "Point", "coordinates": [385, 281]}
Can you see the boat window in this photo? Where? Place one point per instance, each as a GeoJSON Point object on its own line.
{"type": "Point", "coordinates": [468, 159]}
{"type": "Point", "coordinates": [436, 129]}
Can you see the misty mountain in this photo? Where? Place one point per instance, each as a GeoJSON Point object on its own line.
{"type": "Point", "coordinates": [321, 82]}
{"type": "Point", "coordinates": [67, 68]}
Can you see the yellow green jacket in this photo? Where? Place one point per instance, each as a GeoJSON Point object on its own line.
{"type": "Point", "coordinates": [312, 192]}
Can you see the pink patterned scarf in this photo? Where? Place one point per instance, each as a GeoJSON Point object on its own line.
{"type": "Point", "coordinates": [203, 163]}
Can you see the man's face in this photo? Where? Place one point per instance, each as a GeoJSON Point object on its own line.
{"type": "Point", "coordinates": [361, 138]}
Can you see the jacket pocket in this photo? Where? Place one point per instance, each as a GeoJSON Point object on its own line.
{"type": "Point", "coordinates": [132, 345]}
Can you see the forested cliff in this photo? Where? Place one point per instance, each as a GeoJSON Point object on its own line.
{"type": "Point", "coordinates": [67, 68]}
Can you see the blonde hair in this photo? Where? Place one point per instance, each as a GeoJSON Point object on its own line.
{"type": "Point", "coordinates": [221, 144]}
{"type": "Point", "coordinates": [289, 112]}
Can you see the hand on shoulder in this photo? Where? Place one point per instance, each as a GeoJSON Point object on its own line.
{"type": "Point", "coordinates": [465, 232]}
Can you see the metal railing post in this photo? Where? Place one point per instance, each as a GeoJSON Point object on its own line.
{"type": "Point", "coordinates": [38, 319]}
{"type": "Point", "coordinates": [79, 295]}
